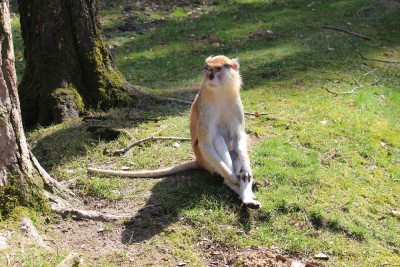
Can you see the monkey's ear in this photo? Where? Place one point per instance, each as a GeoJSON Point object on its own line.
{"type": "Point", "coordinates": [235, 64]}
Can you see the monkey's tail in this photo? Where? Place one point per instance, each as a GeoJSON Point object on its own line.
{"type": "Point", "coordinates": [192, 165]}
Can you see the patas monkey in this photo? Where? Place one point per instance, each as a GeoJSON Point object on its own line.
{"type": "Point", "coordinates": [217, 131]}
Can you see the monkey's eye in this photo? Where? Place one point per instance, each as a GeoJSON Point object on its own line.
{"type": "Point", "coordinates": [217, 69]}
{"type": "Point", "coordinates": [227, 66]}
{"type": "Point", "coordinates": [207, 68]}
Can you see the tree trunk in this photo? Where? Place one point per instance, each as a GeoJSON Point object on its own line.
{"type": "Point", "coordinates": [68, 65]}
{"type": "Point", "coordinates": [22, 179]}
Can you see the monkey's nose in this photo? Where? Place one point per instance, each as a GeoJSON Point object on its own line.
{"type": "Point", "coordinates": [211, 76]}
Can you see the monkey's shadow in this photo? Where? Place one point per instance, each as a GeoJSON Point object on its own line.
{"type": "Point", "coordinates": [176, 194]}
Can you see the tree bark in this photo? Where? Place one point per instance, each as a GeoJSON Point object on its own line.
{"type": "Point", "coordinates": [22, 180]}
{"type": "Point", "coordinates": [68, 65]}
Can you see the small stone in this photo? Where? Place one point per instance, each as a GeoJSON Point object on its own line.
{"type": "Point", "coordinates": [321, 256]}
{"type": "Point", "coordinates": [3, 243]}
{"type": "Point", "coordinates": [297, 264]}
{"type": "Point", "coordinates": [176, 145]}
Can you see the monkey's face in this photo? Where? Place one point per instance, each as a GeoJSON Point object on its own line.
{"type": "Point", "coordinates": [220, 73]}
{"type": "Point", "coordinates": [217, 75]}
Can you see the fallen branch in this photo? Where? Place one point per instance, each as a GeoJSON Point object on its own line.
{"type": "Point", "coordinates": [371, 59]}
{"type": "Point", "coordinates": [103, 118]}
{"type": "Point", "coordinates": [348, 32]}
{"type": "Point", "coordinates": [140, 141]}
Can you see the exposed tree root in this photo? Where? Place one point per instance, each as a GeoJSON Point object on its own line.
{"type": "Point", "coordinates": [72, 260]}
{"type": "Point", "coordinates": [88, 215]}
{"type": "Point", "coordinates": [31, 232]}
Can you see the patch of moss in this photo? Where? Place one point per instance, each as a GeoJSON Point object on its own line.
{"type": "Point", "coordinates": [22, 212]}
{"type": "Point", "coordinates": [68, 94]}
{"type": "Point", "coordinates": [101, 74]}
{"type": "Point", "coordinates": [16, 193]}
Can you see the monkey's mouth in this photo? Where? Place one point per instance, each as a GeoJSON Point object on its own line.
{"type": "Point", "coordinates": [212, 84]}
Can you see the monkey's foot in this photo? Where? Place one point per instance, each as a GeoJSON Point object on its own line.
{"type": "Point", "coordinates": [244, 174]}
{"type": "Point", "coordinates": [252, 204]}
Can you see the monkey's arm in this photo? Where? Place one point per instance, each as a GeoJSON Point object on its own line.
{"type": "Point", "coordinates": [192, 165]}
{"type": "Point", "coordinates": [215, 151]}
{"type": "Point", "coordinates": [241, 161]}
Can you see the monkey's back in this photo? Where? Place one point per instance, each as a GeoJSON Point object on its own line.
{"type": "Point", "coordinates": [194, 118]}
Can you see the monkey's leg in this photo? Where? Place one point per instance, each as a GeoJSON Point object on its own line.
{"type": "Point", "coordinates": [241, 165]}
{"type": "Point", "coordinates": [223, 152]}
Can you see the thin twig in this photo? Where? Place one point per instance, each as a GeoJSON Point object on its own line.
{"type": "Point", "coordinates": [330, 258]}
{"type": "Point", "coordinates": [352, 90]}
{"type": "Point", "coordinates": [371, 59]}
{"type": "Point", "coordinates": [258, 114]}
{"type": "Point", "coordinates": [348, 32]}
{"type": "Point", "coordinates": [102, 118]}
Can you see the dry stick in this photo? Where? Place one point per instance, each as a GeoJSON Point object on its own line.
{"type": "Point", "coordinates": [150, 137]}
{"type": "Point", "coordinates": [101, 118]}
{"type": "Point", "coordinates": [330, 258]}
{"type": "Point", "coordinates": [371, 59]}
{"type": "Point", "coordinates": [257, 114]}
{"type": "Point", "coordinates": [348, 32]}
{"type": "Point", "coordinates": [352, 90]}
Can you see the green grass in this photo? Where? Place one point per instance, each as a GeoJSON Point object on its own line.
{"type": "Point", "coordinates": [327, 167]}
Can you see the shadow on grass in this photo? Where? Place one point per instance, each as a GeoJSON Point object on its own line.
{"type": "Point", "coordinates": [175, 195]}
{"type": "Point", "coordinates": [61, 143]}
